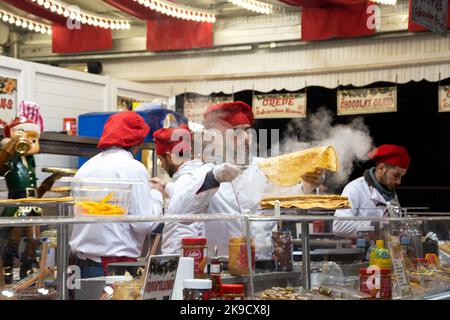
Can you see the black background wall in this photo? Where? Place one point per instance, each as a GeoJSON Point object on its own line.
{"type": "Point", "coordinates": [417, 125]}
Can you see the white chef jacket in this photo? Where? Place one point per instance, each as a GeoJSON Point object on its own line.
{"type": "Point", "coordinates": [366, 201]}
{"type": "Point", "coordinates": [243, 193]}
{"type": "Point", "coordinates": [182, 193]}
{"type": "Point", "coordinates": [117, 239]}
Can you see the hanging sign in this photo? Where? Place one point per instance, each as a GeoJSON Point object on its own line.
{"type": "Point", "coordinates": [285, 105]}
{"type": "Point", "coordinates": [362, 101]}
{"type": "Point", "coordinates": [431, 14]}
{"type": "Point", "coordinates": [444, 98]}
{"type": "Point", "coordinates": [160, 273]}
{"type": "Point", "coordinates": [195, 106]}
{"type": "Point", "coordinates": [8, 99]}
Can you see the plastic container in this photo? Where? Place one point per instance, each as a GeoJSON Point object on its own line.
{"type": "Point", "coordinates": [233, 292]}
{"type": "Point", "coordinates": [100, 197]}
{"type": "Point", "coordinates": [196, 248]}
{"type": "Point", "coordinates": [197, 289]}
{"type": "Point", "coordinates": [238, 257]}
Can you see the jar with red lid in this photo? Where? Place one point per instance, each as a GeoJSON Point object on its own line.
{"type": "Point", "coordinates": [196, 248]}
{"type": "Point", "coordinates": [368, 279]}
{"type": "Point", "coordinates": [233, 292]}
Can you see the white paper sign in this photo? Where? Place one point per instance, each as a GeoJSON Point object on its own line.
{"type": "Point", "coordinates": [8, 100]}
{"type": "Point", "coordinates": [276, 106]}
{"type": "Point", "coordinates": [365, 101]}
{"type": "Point", "coordinates": [444, 99]}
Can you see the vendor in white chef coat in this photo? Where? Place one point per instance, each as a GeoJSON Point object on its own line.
{"type": "Point", "coordinates": [244, 192]}
{"type": "Point", "coordinates": [370, 193]}
{"type": "Point", "coordinates": [173, 147]}
{"type": "Point", "coordinates": [96, 245]}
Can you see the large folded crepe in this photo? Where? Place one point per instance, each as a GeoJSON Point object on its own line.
{"type": "Point", "coordinates": [287, 170]}
{"type": "Point", "coordinates": [307, 201]}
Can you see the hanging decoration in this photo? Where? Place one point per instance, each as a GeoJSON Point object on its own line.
{"type": "Point", "coordinates": [178, 11]}
{"type": "Point", "coordinates": [74, 13]}
{"type": "Point", "coordinates": [254, 5]}
{"type": "Point", "coordinates": [24, 23]}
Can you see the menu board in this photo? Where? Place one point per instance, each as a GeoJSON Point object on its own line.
{"type": "Point", "coordinates": [160, 273]}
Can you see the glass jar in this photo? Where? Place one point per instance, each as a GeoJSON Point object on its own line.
{"type": "Point", "coordinates": [197, 289]}
{"type": "Point", "coordinates": [282, 250]}
{"type": "Point", "coordinates": [233, 292]}
{"type": "Point", "coordinates": [127, 290]}
{"type": "Point", "coordinates": [196, 248]}
{"type": "Point", "coordinates": [238, 258]}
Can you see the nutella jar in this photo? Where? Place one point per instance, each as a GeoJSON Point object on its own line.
{"type": "Point", "coordinates": [196, 248]}
{"type": "Point", "coordinates": [282, 250]}
{"type": "Point", "coordinates": [197, 289]}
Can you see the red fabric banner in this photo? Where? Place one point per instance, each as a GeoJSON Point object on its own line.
{"type": "Point", "coordinates": [176, 34]}
{"type": "Point", "coordinates": [327, 19]}
{"type": "Point", "coordinates": [86, 38]}
{"type": "Point", "coordinates": [65, 40]}
{"type": "Point", "coordinates": [414, 27]}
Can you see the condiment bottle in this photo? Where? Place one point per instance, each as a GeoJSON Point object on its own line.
{"type": "Point", "coordinates": [197, 289]}
{"type": "Point", "coordinates": [282, 250]}
{"type": "Point", "coordinates": [233, 292]}
{"type": "Point", "coordinates": [380, 256]}
{"type": "Point", "coordinates": [238, 258]}
{"type": "Point", "coordinates": [377, 285]}
{"type": "Point", "coordinates": [196, 248]}
{"type": "Point", "coordinates": [215, 272]}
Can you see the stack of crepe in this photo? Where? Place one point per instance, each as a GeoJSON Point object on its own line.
{"type": "Point", "coordinates": [307, 202]}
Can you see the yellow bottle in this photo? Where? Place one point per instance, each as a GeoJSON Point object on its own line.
{"type": "Point", "coordinates": [380, 256]}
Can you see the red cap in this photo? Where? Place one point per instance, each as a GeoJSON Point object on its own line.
{"type": "Point", "coordinates": [232, 288]}
{"type": "Point", "coordinates": [391, 154]}
{"type": "Point", "coordinates": [123, 129]}
{"type": "Point", "coordinates": [228, 114]}
{"type": "Point", "coordinates": [164, 143]}
{"type": "Point", "coordinates": [22, 123]}
{"type": "Point", "coordinates": [193, 241]}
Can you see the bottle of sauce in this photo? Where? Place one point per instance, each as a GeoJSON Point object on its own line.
{"type": "Point", "coordinates": [215, 274]}
{"type": "Point", "coordinates": [380, 256]}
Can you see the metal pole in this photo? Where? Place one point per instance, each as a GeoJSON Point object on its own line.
{"type": "Point", "coordinates": [306, 267]}
{"type": "Point", "coordinates": [249, 259]}
{"type": "Point", "coordinates": [154, 163]}
{"type": "Point", "coordinates": [61, 254]}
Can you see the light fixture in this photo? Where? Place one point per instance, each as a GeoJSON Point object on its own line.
{"type": "Point", "coordinates": [74, 13]}
{"type": "Point", "coordinates": [254, 5]}
{"type": "Point", "coordinates": [24, 23]}
{"type": "Point", "coordinates": [390, 2]}
{"type": "Point", "coordinates": [178, 11]}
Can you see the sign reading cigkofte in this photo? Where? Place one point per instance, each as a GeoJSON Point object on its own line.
{"type": "Point", "coordinates": [160, 273]}
{"type": "Point", "coordinates": [271, 106]}
{"type": "Point", "coordinates": [364, 101]}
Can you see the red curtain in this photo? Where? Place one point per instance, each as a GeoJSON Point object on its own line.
{"type": "Point", "coordinates": [176, 34]}
{"type": "Point", "coordinates": [86, 38]}
{"type": "Point", "coordinates": [414, 27]}
{"type": "Point", "coordinates": [327, 19]}
{"type": "Point", "coordinates": [65, 40]}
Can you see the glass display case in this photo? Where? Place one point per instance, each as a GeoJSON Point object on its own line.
{"type": "Point", "coordinates": [308, 260]}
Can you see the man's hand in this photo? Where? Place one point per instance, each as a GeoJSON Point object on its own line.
{"type": "Point", "coordinates": [313, 180]}
{"type": "Point", "coordinates": [157, 184]}
{"type": "Point", "coordinates": [226, 172]}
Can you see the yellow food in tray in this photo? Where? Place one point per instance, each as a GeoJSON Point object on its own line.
{"type": "Point", "coordinates": [101, 207]}
{"type": "Point", "coordinates": [92, 207]}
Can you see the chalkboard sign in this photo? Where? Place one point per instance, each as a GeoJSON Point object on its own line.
{"type": "Point", "coordinates": [160, 272]}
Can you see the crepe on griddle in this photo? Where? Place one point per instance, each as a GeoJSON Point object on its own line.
{"type": "Point", "coordinates": [307, 202]}
{"type": "Point", "coordinates": [287, 170]}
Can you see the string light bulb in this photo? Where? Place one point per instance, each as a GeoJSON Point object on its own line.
{"type": "Point", "coordinates": [24, 23]}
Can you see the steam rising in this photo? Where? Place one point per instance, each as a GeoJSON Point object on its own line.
{"type": "Point", "coordinates": [351, 141]}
